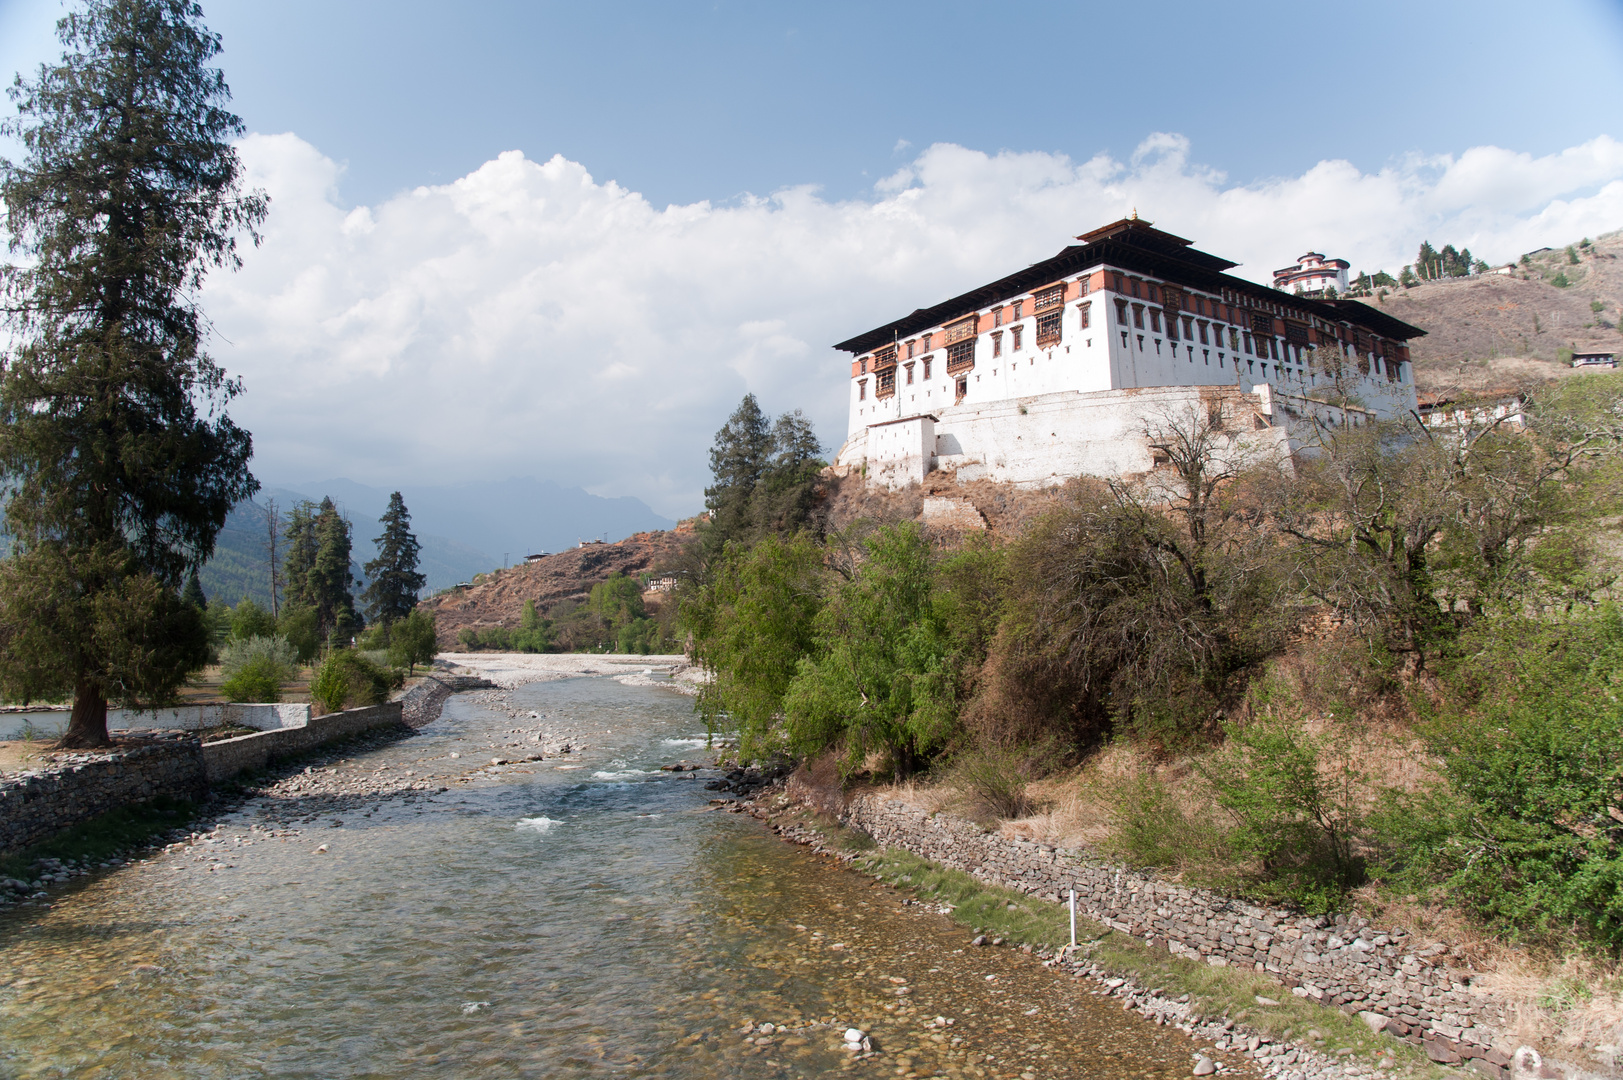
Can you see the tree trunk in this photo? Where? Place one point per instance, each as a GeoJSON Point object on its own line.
{"type": "Point", "coordinates": [88, 725]}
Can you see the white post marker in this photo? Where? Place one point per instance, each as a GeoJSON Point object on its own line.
{"type": "Point", "coordinates": [1073, 918]}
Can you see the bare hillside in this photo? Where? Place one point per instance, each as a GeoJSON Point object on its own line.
{"type": "Point", "coordinates": [498, 599]}
{"type": "Point", "coordinates": [1496, 330]}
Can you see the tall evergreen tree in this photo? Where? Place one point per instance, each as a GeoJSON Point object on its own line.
{"type": "Point", "coordinates": [193, 594]}
{"type": "Point", "coordinates": [300, 554]}
{"type": "Point", "coordinates": [115, 447]}
{"type": "Point", "coordinates": [393, 580]}
{"type": "Point", "coordinates": [765, 477]}
{"type": "Point", "coordinates": [328, 581]}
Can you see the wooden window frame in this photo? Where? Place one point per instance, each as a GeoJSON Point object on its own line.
{"type": "Point", "coordinates": [1047, 298]}
{"type": "Point", "coordinates": [1084, 311]}
{"type": "Point", "coordinates": [960, 356]}
{"type": "Point", "coordinates": [885, 384]}
{"type": "Point", "coordinates": [1050, 327]}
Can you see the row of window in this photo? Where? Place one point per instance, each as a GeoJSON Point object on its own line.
{"type": "Point", "coordinates": [1048, 306]}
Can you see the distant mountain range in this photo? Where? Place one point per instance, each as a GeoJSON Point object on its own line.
{"type": "Point", "coordinates": [464, 529]}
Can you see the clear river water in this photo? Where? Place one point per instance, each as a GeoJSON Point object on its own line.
{"type": "Point", "coordinates": [533, 921]}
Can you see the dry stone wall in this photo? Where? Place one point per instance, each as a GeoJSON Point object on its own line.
{"type": "Point", "coordinates": [1393, 978]}
{"type": "Point", "coordinates": [35, 804]}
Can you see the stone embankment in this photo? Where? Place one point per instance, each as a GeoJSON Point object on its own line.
{"type": "Point", "coordinates": [1394, 981]}
{"type": "Point", "coordinates": [77, 787]}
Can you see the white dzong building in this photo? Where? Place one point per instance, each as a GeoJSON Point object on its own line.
{"type": "Point", "coordinates": [1055, 371]}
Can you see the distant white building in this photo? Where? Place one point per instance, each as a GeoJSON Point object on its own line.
{"type": "Point", "coordinates": [1312, 274]}
{"type": "Point", "coordinates": [1594, 359]}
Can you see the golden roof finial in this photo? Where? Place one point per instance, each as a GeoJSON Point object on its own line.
{"type": "Point", "coordinates": [1134, 215]}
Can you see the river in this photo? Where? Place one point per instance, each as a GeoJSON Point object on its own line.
{"type": "Point", "coordinates": [580, 918]}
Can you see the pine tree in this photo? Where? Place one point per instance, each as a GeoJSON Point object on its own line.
{"type": "Point", "coordinates": [115, 448]}
{"type": "Point", "coordinates": [194, 593]}
{"type": "Point", "coordinates": [328, 580]}
{"type": "Point", "coordinates": [300, 554]}
{"type": "Point", "coordinates": [393, 578]}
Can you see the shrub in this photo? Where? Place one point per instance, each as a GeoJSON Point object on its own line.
{"type": "Point", "coordinates": [1154, 829]}
{"type": "Point", "coordinates": [993, 782]}
{"type": "Point", "coordinates": [1295, 798]}
{"type": "Point", "coordinates": [1522, 828]}
{"type": "Point", "coordinates": [347, 676]}
{"type": "Point", "coordinates": [255, 668]}
{"type": "Point", "coordinates": [259, 680]}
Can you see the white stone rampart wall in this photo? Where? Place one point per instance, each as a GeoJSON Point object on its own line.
{"type": "Point", "coordinates": [1340, 961]}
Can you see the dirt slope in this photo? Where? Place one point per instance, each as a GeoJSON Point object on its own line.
{"type": "Point", "coordinates": [498, 600]}
{"type": "Point", "coordinates": [1494, 331]}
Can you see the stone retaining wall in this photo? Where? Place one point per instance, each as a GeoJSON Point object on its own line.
{"type": "Point", "coordinates": [1405, 982]}
{"type": "Point", "coordinates": [226, 758]}
{"type": "Point", "coordinates": [77, 787]}
{"type": "Point", "coordinates": [34, 805]}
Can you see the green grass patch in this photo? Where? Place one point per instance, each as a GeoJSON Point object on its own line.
{"type": "Point", "coordinates": [1213, 991]}
{"type": "Point", "coordinates": [104, 835]}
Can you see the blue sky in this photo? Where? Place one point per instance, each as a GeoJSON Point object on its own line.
{"type": "Point", "coordinates": [687, 101]}
{"type": "Point", "coordinates": [704, 196]}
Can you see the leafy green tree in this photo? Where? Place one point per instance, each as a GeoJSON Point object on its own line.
{"type": "Point", "coordinates": [249, 620]}
{"type": "Point", "coordinates": [1383, 280]}
{"type": "Point", "coordinates": [115, 448]}
{"type": "Point", "coordinates": [1521, 826]}
{"type": "Point", "coordinates": [1406, 277]}
{"type": "Point", "coordinates": [412, 640]}
{"type": "Point", "coordinates": [751, 622]}
{"type": "Point", "coordinates": [1572, 255]}
{"type": "Point", "coordinates": [393, 579]}
{"type": "Point", "coordinates": [879, 674]}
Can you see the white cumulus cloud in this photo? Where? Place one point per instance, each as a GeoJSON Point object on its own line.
{"type": "Point", "coordinates": [529, 319]}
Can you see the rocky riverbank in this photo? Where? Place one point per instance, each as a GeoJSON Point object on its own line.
{"type": "Point", "coordinates": [1300, 1052]}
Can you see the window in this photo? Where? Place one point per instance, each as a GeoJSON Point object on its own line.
{"type": "Point", "coordinates": [1203, 340]}
{"type": "Point", "coordinates": [924, 343]}
{"type": "Point", "coordinates": [962, 388]}
{"type": "Point", "coordinates": [1051, 297]}
{"type": "Point", "coordinates": [909, 374]}
{"type": "Point", "coordinates": [864, 365]}
{"type": "Point", "coordinates": [997, 317]}
{"type": "Point", "coordinates": [910, 345]}
{"type": "Point", "coordinates": [1019, 308]}
{"type": "Point", "coordinates": [1082, 310]}
{"type": "Point", "coordinates": [1155, 320]}
{"type": "Point", "coordinates": [1121, 312]}
{"type": "Point", "coordinates": [1189, 327]}
{"type": "Point", "coordinates": [884, 356]}
{"type": "Point", "coordinates": [958, 331]}
{"type": "Point", "coordinates": [1049, 327]}
{"type": "Point", "coordinates": [862, 389]}
{"type": "Point", "coordinates": [1015, 332]}
{"type": "Point", "coordinates": [961, 355]}
{"type": "Point", "coordinates": [927, 369]}
{"type": "Point", "coordinates": [885, 384]}
{"type": "Point", "coordinates": [1083, 285]}
{"type": "Point", "coordinates": [997, 344]}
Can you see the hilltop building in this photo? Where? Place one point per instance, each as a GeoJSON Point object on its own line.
{"type": "Point", "coordinates": [1058, 370]}
{"type": "Point", "coordinates": [1312, 275]}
